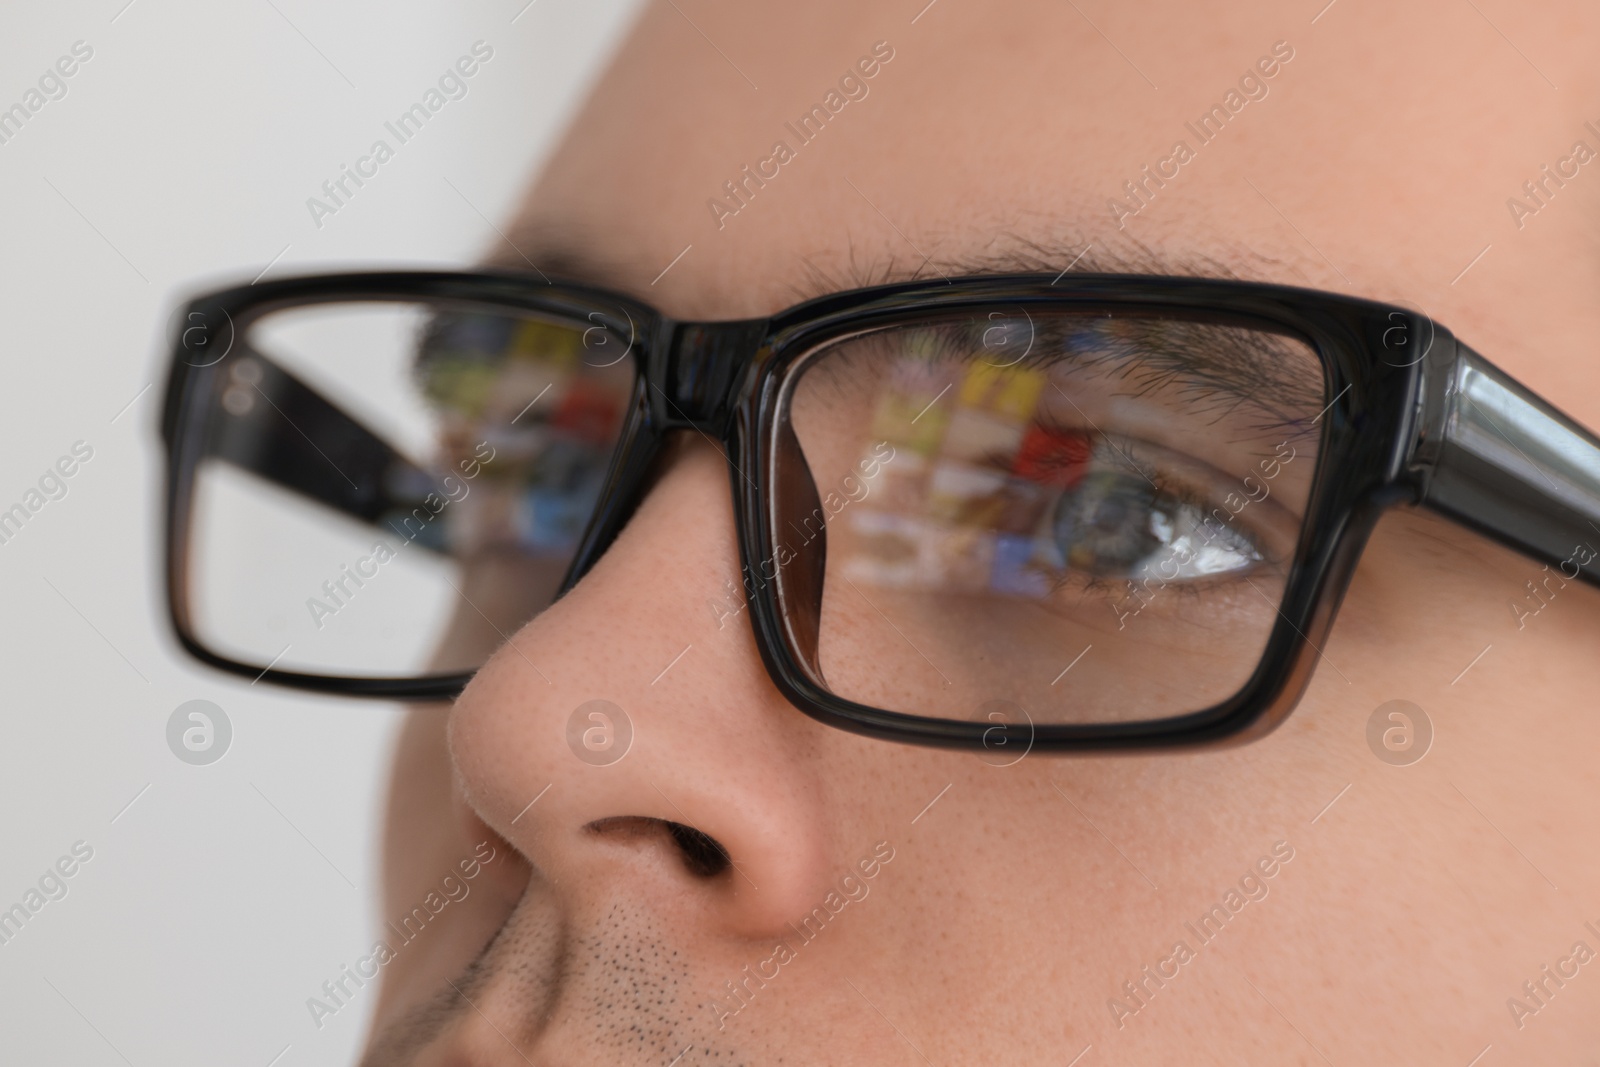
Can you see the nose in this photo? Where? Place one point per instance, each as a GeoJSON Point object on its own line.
{"type": "Point", "coordinates": [713, 807]}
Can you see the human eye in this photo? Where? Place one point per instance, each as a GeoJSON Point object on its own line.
{"type": "Point", "coordinates": [1117, 523]}
{"type": "Point", "coordinates": [1113, 510]}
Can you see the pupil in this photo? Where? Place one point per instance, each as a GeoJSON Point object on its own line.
{"type": "Point", "coordinates": [1109, 515]}
{"type": "Point", "coordinates": [1103, 526]}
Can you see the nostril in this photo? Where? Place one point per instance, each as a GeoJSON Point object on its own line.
{"type": "Point", "coordinates": [702, 853]}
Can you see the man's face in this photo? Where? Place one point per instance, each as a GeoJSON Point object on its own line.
{"type": "Point", "coordinates": [1299, 899]}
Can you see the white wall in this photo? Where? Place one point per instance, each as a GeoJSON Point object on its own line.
{"type": "Point", "coordinates": [182, 153]}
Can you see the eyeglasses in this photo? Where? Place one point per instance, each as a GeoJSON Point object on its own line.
{"type": "Point", "coordinates": [999, 513]}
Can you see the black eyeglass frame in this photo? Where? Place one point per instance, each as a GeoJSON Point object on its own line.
{"type": "Point", "coordinates": [1413, 417]}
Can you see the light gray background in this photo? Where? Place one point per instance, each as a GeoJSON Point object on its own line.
{"type": "Point", "coordinates": [183, 153]}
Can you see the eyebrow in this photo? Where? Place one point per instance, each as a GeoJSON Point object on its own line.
{"type": "Point", "coordinates": [1220, 376]}
{"type": "Point", "coordinates": [1011, 253]}
{"type": "Point", "coordinates": [1218, 369]}
{"type": "Point", "coordinates": [567, 255]}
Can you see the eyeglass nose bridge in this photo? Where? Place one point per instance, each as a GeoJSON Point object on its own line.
{"type": "Point", "coordinates": [697, 372]}
{"type": "Point", "coordinates": [697, 379]}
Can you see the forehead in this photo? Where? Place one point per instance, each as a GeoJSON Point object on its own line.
{"type": "Point", "coordinates": [1339, 154]}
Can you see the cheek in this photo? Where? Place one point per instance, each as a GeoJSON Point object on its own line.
{"type": "Point", "coordinates": [1416, 571]}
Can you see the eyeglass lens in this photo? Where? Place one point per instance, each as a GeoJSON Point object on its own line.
{"type": "Point", "coordinates": [1052, 517]}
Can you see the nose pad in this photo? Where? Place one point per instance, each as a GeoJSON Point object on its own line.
{"type": "Point", "coordinates": [714, 812]}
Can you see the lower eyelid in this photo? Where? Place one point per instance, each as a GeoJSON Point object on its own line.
{"type": "Point", "coordinates": [1270, 546]}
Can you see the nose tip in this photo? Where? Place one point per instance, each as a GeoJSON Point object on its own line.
{"type": "Point", "coordinates": [739, 848]}
{"type": "Point", "coordinates": [714, 801]}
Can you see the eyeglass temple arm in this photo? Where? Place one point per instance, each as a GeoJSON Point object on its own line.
{"type": "Point", "coordinates": [292, 436]}
{"type": "Point", "coordinates": [1495, 457]}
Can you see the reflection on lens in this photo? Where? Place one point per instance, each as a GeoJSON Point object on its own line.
{"type": "Point", "coordinates": [389, 489]}
{"type": "Point", "coordinates": [524, 389]}
{"type": "Point", "coordinates": [1127, 486]}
